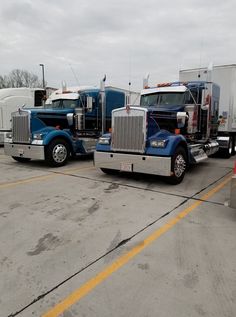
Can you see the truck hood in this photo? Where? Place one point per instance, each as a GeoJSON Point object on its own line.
{"type": "Point", "coordinates": [50, 111]}
{"type": "Point", "coordinates": [50, 118]}
{"type": "Point", "coordinates": [163, 117]}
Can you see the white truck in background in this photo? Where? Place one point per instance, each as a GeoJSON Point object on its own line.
{"type": "Point", "coordinates": [11, 99]}
{"type": "Point", "coordinates": [225, 77]}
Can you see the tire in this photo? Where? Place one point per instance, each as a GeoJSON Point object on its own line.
{"type": "Point", "coordinates": [178, 166]}
{"type": "Point", "coordinates": [57, 153]}
{"type": "Point", "coordinates": [226, 153]}
{"type": "Point", "coordinates": [21, 159]}
{"type": "Point", "coordinates": [233, 145]}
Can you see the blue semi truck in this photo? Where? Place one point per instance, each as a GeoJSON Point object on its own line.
{"type": "Point", "coordinates": [175, 125]}
{"type": "Point", "coordinates": [68, 125]}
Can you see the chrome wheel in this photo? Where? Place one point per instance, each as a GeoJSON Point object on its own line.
{"type": "Point", "coordinates": [179, 165]}
{"type": "Point", "coordinates": [59, 153]}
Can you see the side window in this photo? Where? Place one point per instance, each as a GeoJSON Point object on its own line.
{"type": "Point", "coordinates": [81, 103]}
{"type": "Point", "coordinates": [199, 96]}
{"type": "Point", "coordinates": [188, 98]}
{"type": "Point", "coordinates": [193, 97]}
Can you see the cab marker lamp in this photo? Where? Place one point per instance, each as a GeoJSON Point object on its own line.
{"type": "Point", "coordinates": [103, 140]}
{"type": "Point", "coordinates": [158, 143]}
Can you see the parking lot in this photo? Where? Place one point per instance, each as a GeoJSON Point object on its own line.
{"type": "Point", "coordinates": [77, 242]}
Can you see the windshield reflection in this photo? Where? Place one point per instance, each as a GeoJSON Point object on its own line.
{"type": "Point", "coordinates": [163, 98]}
{"type": "Point", "coordinates": [62, 104]}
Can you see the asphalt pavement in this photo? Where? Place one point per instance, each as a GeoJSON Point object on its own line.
{"type": "Point", "coordinates": [76, 242]}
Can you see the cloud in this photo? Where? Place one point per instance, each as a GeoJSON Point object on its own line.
{"type": "Point", "coordinates": [124, 39]}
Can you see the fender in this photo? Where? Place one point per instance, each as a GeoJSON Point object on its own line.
{"type": "Point", "coordinates": [104, 147]}
{"type": "Point", "coordinates": [53, 134]}
{"type": "Point", "coordinates": [172, 142]}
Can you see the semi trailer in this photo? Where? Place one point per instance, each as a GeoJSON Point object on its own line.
{"type": "Point", "coordinates": [13, 98]}
{"type": "Point", "coordinates": [225, 77]}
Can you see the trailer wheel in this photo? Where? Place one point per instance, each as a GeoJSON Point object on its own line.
{"type": "Point", "coordinates": [57, 153]}
{"type": "Point", "coordinates": [178, 166]}
{"type": "Point", "coordinates": [21, 159]}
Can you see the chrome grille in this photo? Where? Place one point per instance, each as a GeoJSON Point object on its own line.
{"type": "Point", "coordinates": [128, 130]}
{"type": "Point", "coordinates": [20, 127]}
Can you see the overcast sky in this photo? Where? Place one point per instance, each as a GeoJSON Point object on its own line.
{"type": "Point", "coordinates": [79, 41]}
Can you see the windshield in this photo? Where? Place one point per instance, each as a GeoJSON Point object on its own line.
{"type": "Point", "coordinates": [162, 98]}
{"type": "Point", "coordinates": [62, 104]}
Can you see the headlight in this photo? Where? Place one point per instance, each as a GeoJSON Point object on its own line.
{"type": "Point", "coordinates": [37, 136]}
{"type": "Point", "coordinates": [104, 141]}
{"type": "Point", "coordinates": [8, 135]}
{"type": "Point", "coordinates": [158, 143]}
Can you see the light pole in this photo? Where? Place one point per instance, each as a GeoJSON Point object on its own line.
{"type": "Point", "coordinates": [42, 65]}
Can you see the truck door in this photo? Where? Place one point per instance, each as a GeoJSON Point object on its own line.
{"type": "Point", "coordinates": [205, 118]}
{"type": "Point", "coordinates": [89, 111]}
{"type": "Point", "coordinates": [114, 99]}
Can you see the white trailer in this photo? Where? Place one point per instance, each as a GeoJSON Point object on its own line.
{"type": "Point", "coordinates": [225, 77]}
{"type": "Point", "coordinates": [11, 99]}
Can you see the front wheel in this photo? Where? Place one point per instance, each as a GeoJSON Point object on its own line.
{"type": "Point", "coordinates": [57, 153]}
{"type": "Point", "coordinates": [178, 166]}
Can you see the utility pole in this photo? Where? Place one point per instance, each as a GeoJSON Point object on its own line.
{"type": "Point", "coordinates": [103, 103]}
{"type": "Point", "coordinates": [42, 65]}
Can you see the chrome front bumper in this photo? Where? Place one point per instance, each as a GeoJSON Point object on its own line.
{"type": "Point", "coordinates": [155, 165]}
{"type": "Point", "coordinates": [22, 150]}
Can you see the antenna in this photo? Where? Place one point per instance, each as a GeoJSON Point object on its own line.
{"type": "Point", "coordinates": [103, 104]}
{"type": "Point", "coordinates": [128, 101]}
{"type": "Point", "coordinates": [200, 60]}
{"type": "Point", "coordinates": [77, 81]}
{"type": "Point", "coordinates": [129, 70]}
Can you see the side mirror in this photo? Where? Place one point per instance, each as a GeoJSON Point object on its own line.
{"type": "Point", "coordinates": [181, 118]}
{"type": "Point", "coordinates": [205, 107]}
{"type": "Point", "coordinates": [70, 119]}
{"type": "Point", "coordinates": [89, 104]}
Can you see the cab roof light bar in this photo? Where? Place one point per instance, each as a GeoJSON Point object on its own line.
{"type": "Point", "coordinates": [193, 84]}
{"type": "Point", "coordinates": [168, 85]}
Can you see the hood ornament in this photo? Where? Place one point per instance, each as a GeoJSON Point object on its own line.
{"type": "Point", "coordinates": [127, 108]}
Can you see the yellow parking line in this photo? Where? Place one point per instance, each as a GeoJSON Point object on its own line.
{"type": "Point", "coordinates": [27, 180]}
{"type": "Point", "coordinates": [121, 261]}
{"type": "Point", "coordinates": [77, 169]}
{"type": "Point", "coordinates": [40, 178]}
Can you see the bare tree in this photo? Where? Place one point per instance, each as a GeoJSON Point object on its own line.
{"type": "Point", "coordinates": [20, 78]}
{"type": "Point", "coordinates": [4, 82]}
